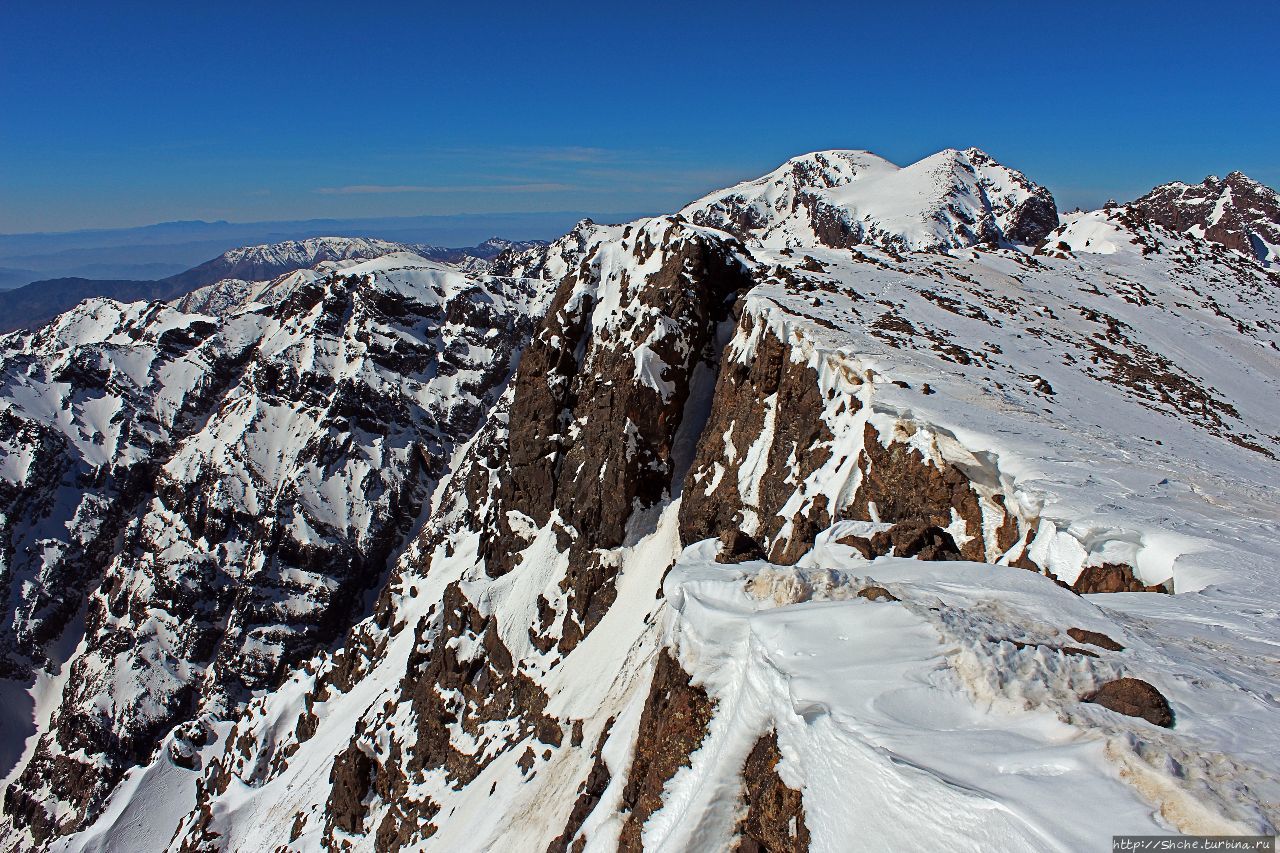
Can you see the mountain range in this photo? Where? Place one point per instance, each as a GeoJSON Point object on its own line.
{"type": "Point", "coordinates": [157, 251]}
{"type": "Point", "coordinates": [852, 507]}
{"type": "Point", "coordinates": [35, 304]}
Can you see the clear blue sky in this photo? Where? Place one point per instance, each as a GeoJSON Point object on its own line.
{"type": "Point", "coordinates": [127, 113]}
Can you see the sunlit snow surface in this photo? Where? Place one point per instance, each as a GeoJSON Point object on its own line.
{"type": "Point", "coordinates": [1130, 400]}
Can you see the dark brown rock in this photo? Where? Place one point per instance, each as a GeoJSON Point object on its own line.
{"type": "Point", "coordinates": [876, 593]}
{"type": "Point", "coordinates": [351, 778]}
{"type": "Point", "coordinates": [1094, 638]}
{"type": "Point", "coordinates": [738, 547]}
{"type": "Point", "coordinates": [774, 821]}
{"type": "Point", "coordinates": [594, 479]}
{"type": "Point", "coordinates": [800, 445]}
{"type": "Point", "coordinates": [904, 486]}
{"type": "Point", "coordinates": [916, 539]}
{"type": "Point", "coordinates": [861, 544]}
{"type": "Point", "coordinates": [672, 725]}
{"type": "Point", "coordinates": [1111, 577]}
{"type": "Point", "coordinates": [1134, 697]}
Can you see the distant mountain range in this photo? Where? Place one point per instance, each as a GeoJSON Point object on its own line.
{"type": "Point", "coordinates": [154, 252]}
{"type": "Point", "coordinates": [36, 303]}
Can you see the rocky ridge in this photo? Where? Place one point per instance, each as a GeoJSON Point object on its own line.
{"type": "Point", "coordinates": [1235, 211]}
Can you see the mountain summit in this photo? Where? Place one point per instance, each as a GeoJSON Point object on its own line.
{"type": "Point", "coordinates": [1236, 211]}
{"type": "Point", "coordinates": [950, 200]}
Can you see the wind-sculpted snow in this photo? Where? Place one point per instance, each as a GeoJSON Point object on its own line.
{"type": "Point", "coordinates": [781, 536]}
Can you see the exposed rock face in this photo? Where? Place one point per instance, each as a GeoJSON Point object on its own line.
{"type": "Point", "coordinates": [738, 547]}
{"type": "Point", "coordinates": [1134, 697]}
{"type": "Point", "coordinates": [769, 438]}
{"type": "Point", "coordinates": [351, 777]}
{"type": "Point", "coordinates": [1112, 577]}
{"type": "Point", "coordinates": [774, 822]}
{"type": "Point", "coordinates": [899, 485]}
{"type": "Point", "coordinates": [272, 462]}
{"type": "Point", "coordinates": [674, 724]}
{"type": "Point", "coordinates": [1025, 211]}
{"type": "Point", "coordinates": [619, 355]}
{"type": "Point", "coordinates": [1235, 211]}
{"type": "Point", "coordinates": [773, 399]}
{"type": "Point", "coordinates": [907, 539]}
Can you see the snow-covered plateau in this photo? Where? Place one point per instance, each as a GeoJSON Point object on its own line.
{"type": "Point", "coordinates": [855, 507]}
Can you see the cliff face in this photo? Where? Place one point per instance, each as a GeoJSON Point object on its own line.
{"type": "Point", "coordinates": [233, 488]}
{"type": "Point", "coordinates": [764, 545]}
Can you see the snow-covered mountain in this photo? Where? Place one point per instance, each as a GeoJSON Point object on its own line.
{"type": "Point", "coordinates": [258, 263]}
{"type": "Point", "coordinates": [952, 200]}
{"type": "Point", "coordinates": [37, 303]}
{"type": "Point", "coordinates": [850, 507]}
{"type": "Point", "coordinates": [212, 496]}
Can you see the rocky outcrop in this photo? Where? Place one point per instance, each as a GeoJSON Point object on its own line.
{"type": "Point", "coordinates": [774, 820]}
{"type": "Point", "coordinates": [774, 398]}
{"type": "Point", "coordinates": [674, 723]}
{"type": "Point", "coordinates": [1112, 577]}
{"type": "Point", "coordinates": [1094, 638]}
{"type": "Point", "coordinates": [906, 539]}
{"type": "Point", "coordinates": [770, 431]}
{"type": "Point", "coordinates": [1134, 697]}
{"type": "Point", "coordinates": [876, 593]}
{"type": "Point", "coordinates": [602, 395]}
{"type": "Point", "coordinates": [900, 485]}
{"type": "Point", "coordinates": [1236, 212]}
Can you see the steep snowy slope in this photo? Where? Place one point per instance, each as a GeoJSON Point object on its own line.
{"type": "Point", "coordinates": [825, 515]}
{"type": "Point", "coordinates": [223, 491]}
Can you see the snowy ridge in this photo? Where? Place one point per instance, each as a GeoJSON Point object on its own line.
{"type": "Point", "coordinates": [309, 252]}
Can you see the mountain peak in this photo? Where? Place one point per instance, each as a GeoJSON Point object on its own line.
{"type": "Point", "coordinates": [1237, 212]}
{"type": "Point", "coordinates": [839, 198]}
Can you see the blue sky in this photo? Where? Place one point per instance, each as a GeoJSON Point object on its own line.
{"type": "Point", "coordinates": [116, 114]}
